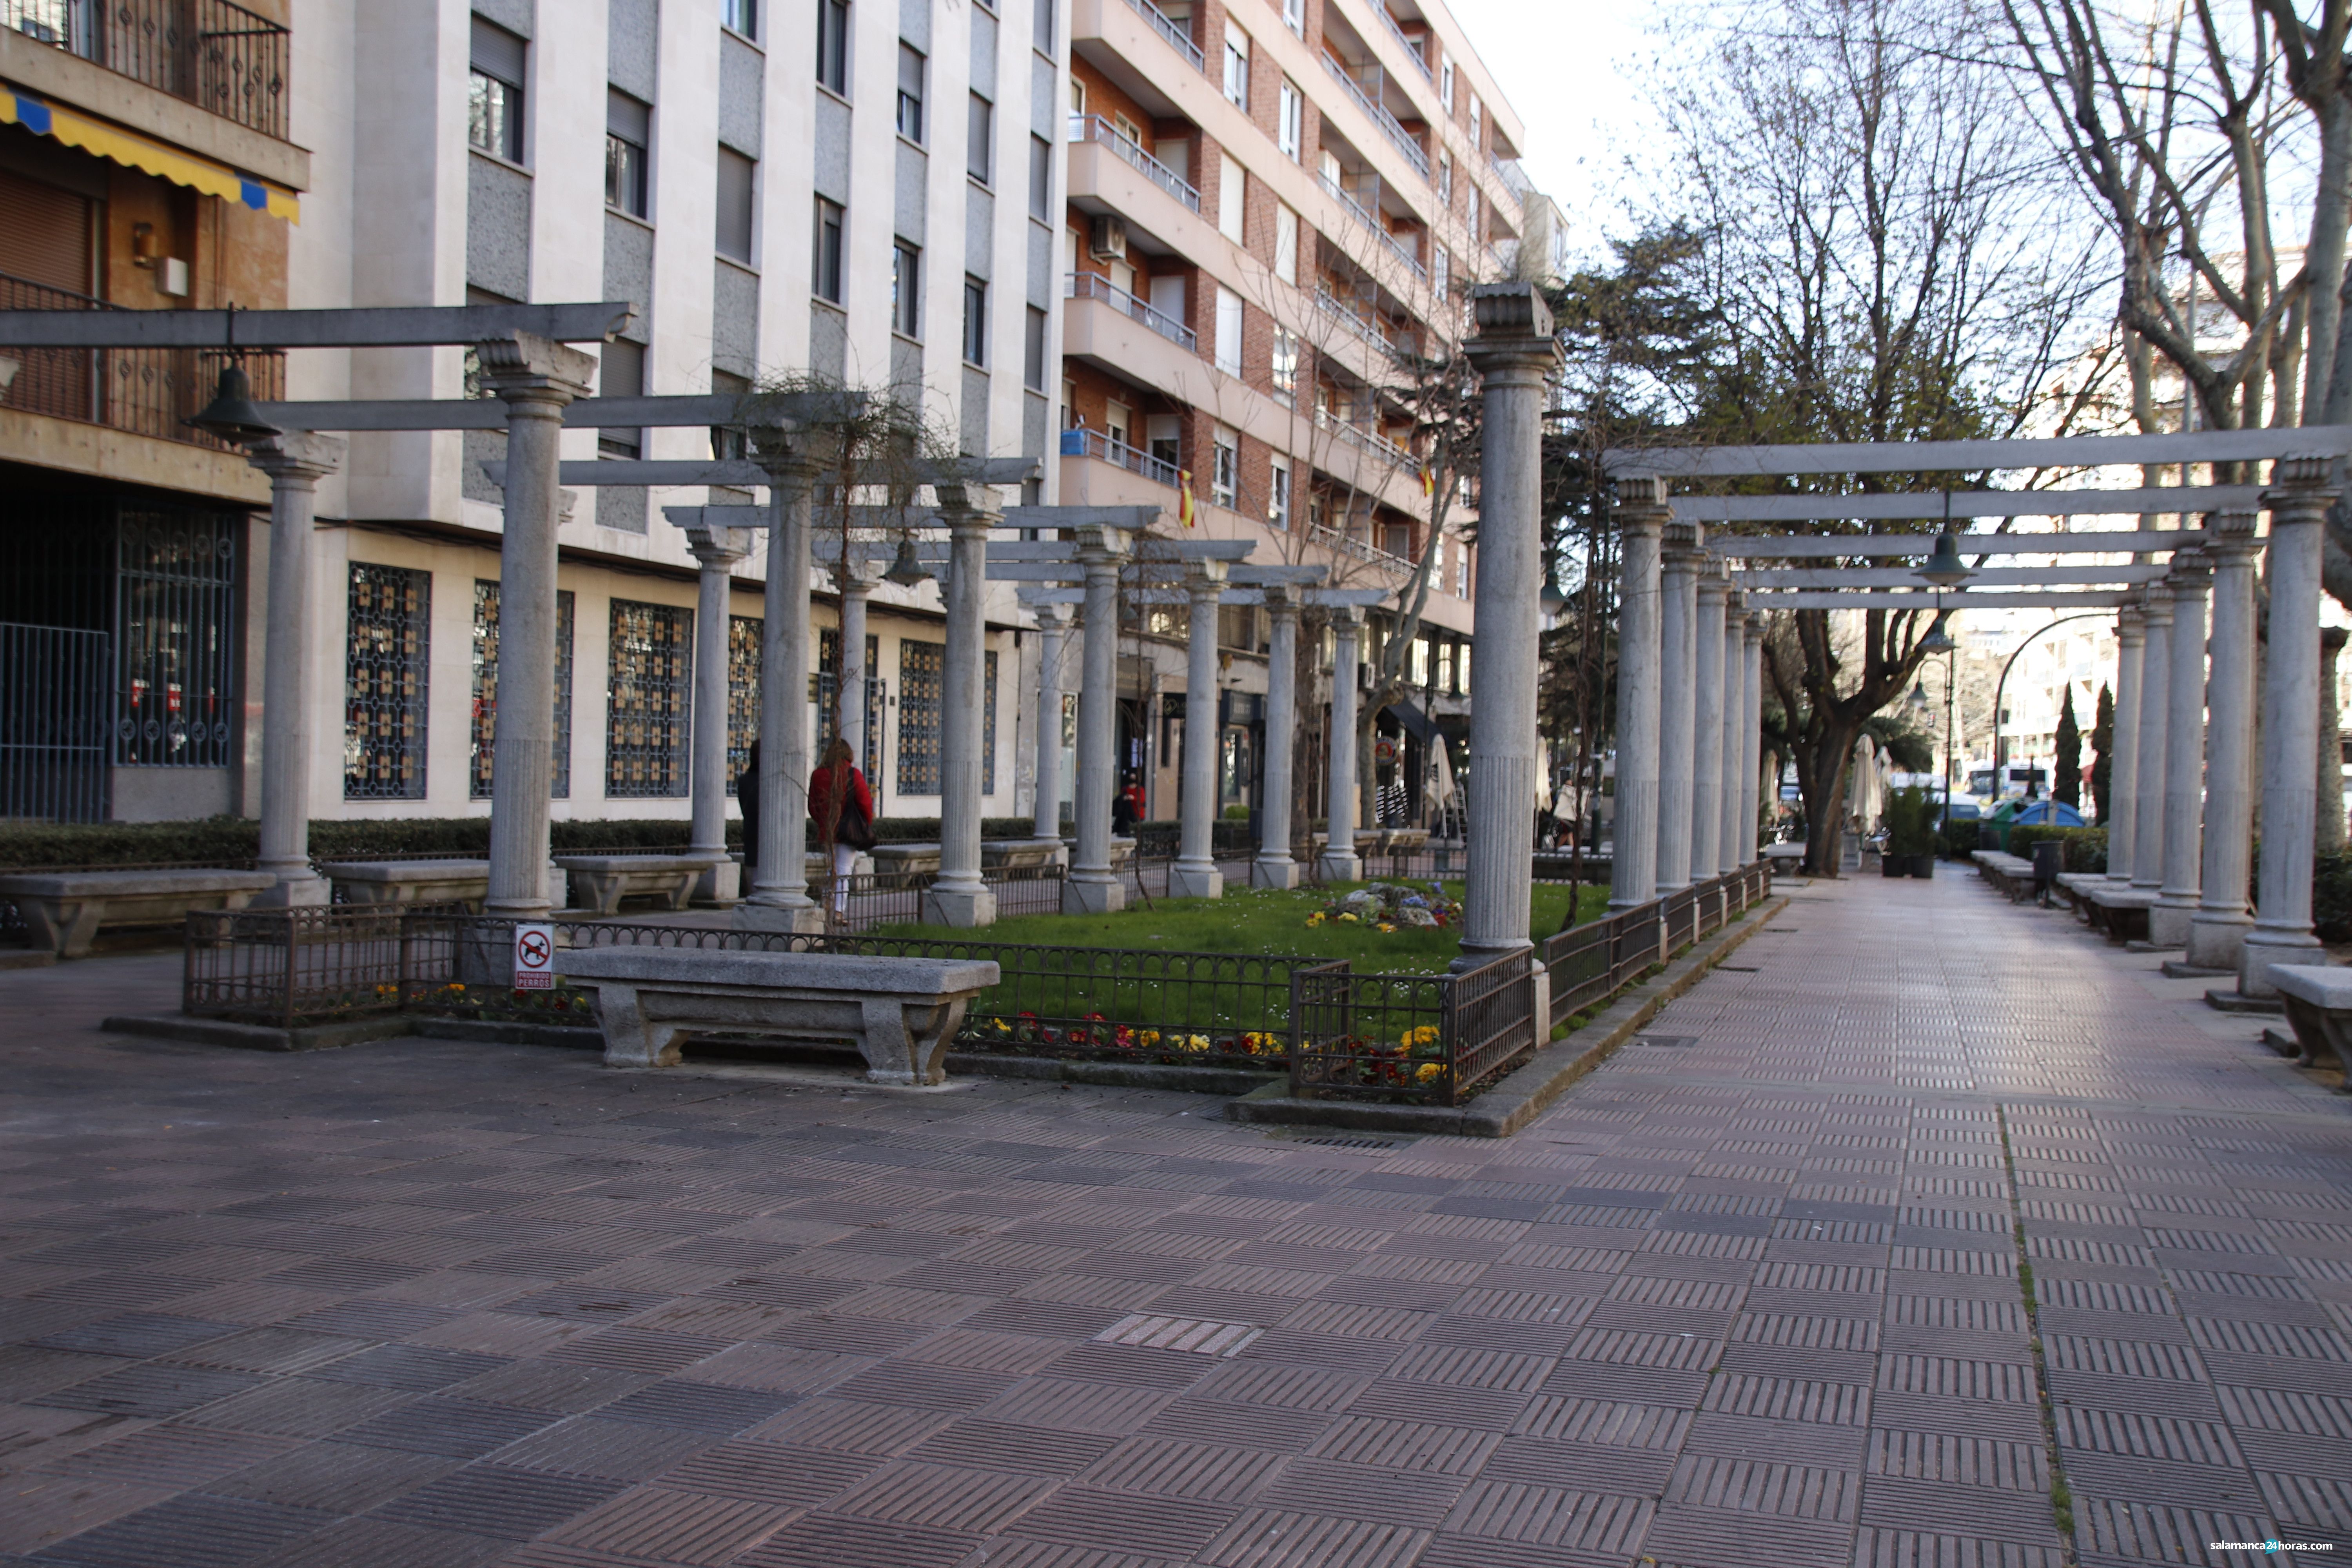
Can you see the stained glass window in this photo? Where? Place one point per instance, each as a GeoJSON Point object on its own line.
{"type": "Point", "coordinates": [649, 704]}
{"type": "Point", "coordinates": [923, 672]}
{"type": "Point", "coordinates": [486, 689]}
{"type": "Point", "coordinates": [828, 697]}
{"type": "Point", "coordinates": [743, 633]}
{"type": "Point", "coordinates": [988, 726]}
{"type": "Point", "coordinates": [177, 582]}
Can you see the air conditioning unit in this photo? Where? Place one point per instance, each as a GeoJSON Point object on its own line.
{"type": "Point", "coordinates": [1106, 238]}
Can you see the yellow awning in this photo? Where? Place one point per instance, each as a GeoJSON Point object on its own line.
{"type": "Point", "coordinates": [133, 151]}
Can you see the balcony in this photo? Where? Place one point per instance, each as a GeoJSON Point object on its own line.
{"type": "Point", "coordinates": [1514, 179]}
{"type": "Point", "coordinates": [1379, 116]}
{"type": "Point", "coordinates": [215, 55]}
{"type": "Point", "coordinates": [1178, 38]}
{"type": "Point", "coordinates": [1104, 447]}
{"type": "Point", "coordinates": [147, 392]}
{"type": "Point", "coordinates": [1333, 189]}
{"type": "Point", "coordinates": [1413, 48]}
{"type": "Point", "coordinates": [1086, 286]}
{"type": "Point", "coordinates": [1348, 544]}
{"type": "Point", "coordinates": [1095, 129]}
{"type": "Point", "coordinates": [1369, 441]}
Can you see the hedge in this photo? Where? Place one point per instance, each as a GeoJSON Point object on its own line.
{"type": "Point", "coordinates": [2086, 847]}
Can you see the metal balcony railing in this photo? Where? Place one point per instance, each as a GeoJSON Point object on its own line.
{"type": "Point", "coordinates": [1104, 447]}
{"type": "Point", "coordinates": [1168, 28]}
{"type": "Point", "coordinates": [1341, 543]}
{"type": "Point", "coordinates": [1379, 116]}
{"type": "Point", "coordinates": [1413, 46]}
{"type": "Point", "coordinates": [1094, 128]}
{"type": "Point", "coordinates": [215, 55]}
{"type": "Point", "coordinates": [1355, 209]}
{"type": "Point", "coordinates": [1086, 286]}
{"type": "Point", "coordinates": [1514, 179]}
{"type": "Point", "coordinates": [1366, 440]}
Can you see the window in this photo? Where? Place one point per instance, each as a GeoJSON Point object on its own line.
{"type": "Point", "coordinates": [485, 689]}
{"type": "Point", "coordinates": [975, 322]}
{"type": "Point", "coordinates": [828, 696]}
{"type": "Point", "coordinates": [1445, 81]}
{"type": "Point", "coordinates": [1077, 103]}
{"type": "Point", "coordinates": [736, 205]}
{"type": "Point", "coordinates": [1228, 331]}
{"type": "Point", "coordinates": [1290, 121]}
{"type": "Point", "coordinates": [727, 443]}
{"type": "Point", "coordinates": [980, 141]}
{"type": "Point", "coordinates": [1294, 15]}
{"type": "Point", "coordinates": [1284, 368]}
{"type": "Point", "coordinates": [174, 598]}
{"type": "Point", "coordinates": [1226, 471]}
{"type": "Point", "coordinates": [824, 273]}
{"type": "Point", "coordinates": [911, 92]}
{"type": "Point", "coordinates": [494, 103]}
{"type": "Point", "coordinates": [1233, 195]}
{"type": "Point", "coordinates": [743, 634]}
{"type": "Point", "coordinates": [741, 17]}
{"type": "Point", "coordinates": [833, 45]}
{"type": "Point", "coordinates": [1277, 494]}
{"type": "Point", "coordinates": [1032, 352]}
{"type": "Point", "coordinates": [1041, 179]}
{"type": "Point", "coordinates": [621, 374]}
{"type": "Point", "coordinates": [1044, 18]}
{"type": "Point", "coordinates": [1445, 177]}
{"type": "Point", "coordinates": [1440, 267]}
{"type": "Point", "coordinates": [988, 725]}
{"type": "Point", "coordinates": [386, 653]}
{"type": "Point", "coordinates": [1286, 245]}
{"type": "Point", "coordinates": [1478, 125]}
{"type": "Point", "coordinates": [905, 289]}
{"type": "Point", "coordinates": [649, 700]}
{"type": "Point", "coordinates": [1237, 51]}
{"type": "Point", "coordinates": [1477, 232]}
{"type": "Point", "coordinates": [629, 132]}
{"type": "Point", "coordinates": [922, 673]}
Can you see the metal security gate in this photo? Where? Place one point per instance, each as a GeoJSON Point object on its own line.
{"type": "Point", "coordinates": [54, 723]}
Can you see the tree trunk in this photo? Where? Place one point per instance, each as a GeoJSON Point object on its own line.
{"type": "Point", "coordinates": [1824, 763]}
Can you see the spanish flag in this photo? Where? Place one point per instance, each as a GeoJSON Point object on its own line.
{"type": "Point", "coordinates": [1428, 481]}
{"type": "Point", "coordinates": [1186, 512]}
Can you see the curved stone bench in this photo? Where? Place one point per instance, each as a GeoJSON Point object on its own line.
{"type": "Point", "coordinates": [902, 1012]}
{"type": "Point", "coordinates": [599, 882]}
{"type": "Point", "coordinates": [66, 911]}
{"type": "Point", "coordinates": [2318, 1002]}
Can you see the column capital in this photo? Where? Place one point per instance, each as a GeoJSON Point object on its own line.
{"type": "Point", "coordinates": [1282, 600]}
{"type": "Point", "coordinates": [525, 368]}
{"type": "Point", "coordinates": [789, 452]}
{"type": "Point", "coordinates": [717, 548]}
{"type": "Point", "coordinates": [2131, 626]}
{"type": "Point", "coordinates": [1714, 584]}
{"type": "Point", "coordinates": [1100, 545]}
{"type": "Point", "coordinates": [297, 454]}
{"type": "Point", "coordinates": [1642, 501]}
{"type": "Point", "coordinates": [1685, 545]}
{"type": "Point", "coordinates": [2190, 574]}
{"type": "Point", "coordinates": [1515, 336]}
{"type": "Point", "coordinates": [1755, 629]}
{"type": "Point", "coordinates": [1347, 618]}
{"type": "Point", "coordinates": [2300, 479]}
{"type": "Point", "coordinates": [2156, 608]}
{"type": "Point", "coordinates": [2230, 535]}
{"type": "Point", "coordinates": [1205, 579]}
{"type": "Point", "coordinates": [964, 507]}
{"type": "Point", "coordinates": [854, 577]}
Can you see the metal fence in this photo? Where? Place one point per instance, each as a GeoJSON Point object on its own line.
{"type": "Point", "coordinates": [1592, 963]}
{"type": "Point", "coordinates": [1434, 1039]}
{"type": "Point", "coordinates": [287, 966]}
{"type": "Point", "coordinates": [147, 392]}
{"type": "Point", "coordinates": [211, 53]}
{"type": "Point", "coordinates": [55, 723]}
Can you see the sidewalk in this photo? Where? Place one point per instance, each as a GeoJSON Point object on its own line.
{"type": "Point", "coordinates": [1750, 1295]}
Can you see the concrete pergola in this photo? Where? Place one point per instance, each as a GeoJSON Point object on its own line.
{"type": "Point", "coordinates": [2180, 835]}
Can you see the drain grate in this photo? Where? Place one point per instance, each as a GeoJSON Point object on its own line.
{"type": "Point", "coordinates": [1737, 969]}
{"type": "Point", "coordinates": [1666, 1039]}
{"type": "Point", "coordinates": [1202, 1336]}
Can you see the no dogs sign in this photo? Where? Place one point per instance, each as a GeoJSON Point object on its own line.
{"type": "Point", "coordinates": [534, 957]}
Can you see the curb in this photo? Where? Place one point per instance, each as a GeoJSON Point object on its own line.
{"type": "Point", "coordinates": [257, 1037]}
{"type": "Point", "coordinates": [1527, 1092]}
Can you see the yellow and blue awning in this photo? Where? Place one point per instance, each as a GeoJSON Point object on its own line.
{"type": "Point", "coordinates": [133, 151]}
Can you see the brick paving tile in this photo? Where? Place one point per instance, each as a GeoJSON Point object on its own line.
{"type": "Point", "coordinates": [1755, 1292]}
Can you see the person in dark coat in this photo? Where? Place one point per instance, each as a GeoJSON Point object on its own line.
{"type": "Point", "coordinates": [747, 796]}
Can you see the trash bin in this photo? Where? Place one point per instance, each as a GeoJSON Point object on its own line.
{"type": "Point", "coordinates": [2049, 859]}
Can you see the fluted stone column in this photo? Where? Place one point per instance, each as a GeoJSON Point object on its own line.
{"type": "Point", "coordinates": [2298, 500]}
{"type": "Point", "coordinates": [1340, 862]}
{"type": "Point", "coordinates": [536, 379]}
{"type": "Point", "coordinates": [1053, 646]}
{"type": "Point", "coordinates": [1641, 514]}
{"type": "Point", "coordinates": [2155, 719]}
{"type": "Point", "coordinates": [2123, 768]}
{"type": "Point", "coordinates": [1752, 742]}
{"type": "Point", "coordinates": [957, 896]}
{"type": "Point", "coordinates": [716, 550]}
{"type": "Point", "coordinates": [1706, 723]}
{"type": "Point", "coordinates": [1731, 791]}
{"type": "Point", "coordinates": [780, 899]}
{"type": "Point", "coordinates": [1677, 708]}
{"type": "Point", "coordinates": [2216, 932]}
{"type": "Point", "coordinates": [1195, 875]}
{"type": "Point", "coordinates": [1091, 889]}
{"type": "Point", "coordinates": [2184, 752]}
{"type": "Point", "coordinates": [1274, 867]}
{"type": "Point", "coordinates": [854, 581]}
{"type": "Point", "coordinates": [295, 461]}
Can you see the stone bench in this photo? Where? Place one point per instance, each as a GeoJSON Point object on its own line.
{"type": "Point", "coordinates": [599, 882]}
{"type": "Point", "coordinates": [1018, 853]}
{"type": "Point", "coordinates": [65, 910]}
{"type": "Point", "coordinates": [902, 1012]}
{"type": "Point", "coordinates": [2012, 874]}
{"type": "Point", "coordinates": [464, 882]}
{"type": "Point", "coordinates": [2117, 909]}
{"type": "Point", "coordinates": [889, 858]}
{"type": "Point", "coordinates": [2318, 1002]}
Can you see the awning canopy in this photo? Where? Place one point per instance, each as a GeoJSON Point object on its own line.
{"type": "Point", "coordinates": [133, 151]}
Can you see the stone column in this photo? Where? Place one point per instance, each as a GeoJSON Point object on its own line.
{"type": "Point", "coordinates": [716, 550]}
{"type": "Point", "coordinates": [1752, 742]}
{"type": "Point", "coordinates": [853, 580]}
{"type": "Point", "coordinates": [1274, 866]}
{"type": "Point", "coordinates": [1706, 723]}
{"type": "Point", "coordinates": [1732, 789]}
{"type": "Point", "coordinates": [1340, 862]}
{"type": "Point", "coordinates": [2123, 768]}
{"type": "Point", "coordinates": [2298, 500]}
{"type": "Point", "coordinates": [957, 896]}
{"type": "Point", "coordinates": [2184, 751]}
{"type": "Point", "coordinates": [1677, 717]}
{"type": "Point", "coordinates": [295, 461]}
{"type": "Point", "coordinates": [780, 899]}
{"type": "Point", "coordinates": [1642, 513]}
{"type": "Point", "coordinates": [2327, 812]}
{"type": "Point", "coordinates": [2155, 716]}
{"type": "Point", "coordinates": [1091, 889]}
{"type": "Point", "coordinates": [1516, 356]}
{"type": "Point", "coordinates": [1053, 642]}
{"type": "Point", "coordinates": [2216, 932]}
{"type": "Point", "coordinates": [1195, 875]}
{"type": "Point", "coordinates": [536, 379]}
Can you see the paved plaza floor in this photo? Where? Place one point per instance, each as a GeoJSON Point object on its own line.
{"type": "Point", "coordinates": [1756, 1293]}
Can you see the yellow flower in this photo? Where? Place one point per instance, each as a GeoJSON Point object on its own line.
{"type": "Point", "coordinates": [1350, 920]}
{"type": "Point", "coordinates": [1196, 1042]}
{"type": "Point", "coordinates": [1386, 928]}
{"type": "Point", "coordinates": [1148, 1038]}
{"type": "Point", "coordinates": [1428, 1071]}
{"type": "Point", "coordinates": [1426, 1034]}
{"type": "Point", "coordinates": [1316, 919]}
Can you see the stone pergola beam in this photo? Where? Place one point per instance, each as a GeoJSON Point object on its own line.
{"type": "Point", "coordinates": [1928, 603]}
{"type": "Point", "coordinates": [1814, 546]}
{"type": "Point", "coordinates": [1908, 577]}
{"type": "Point", "coordinates": [668, 473]}
{"type": "Point", "coordinates": [385, 327]}
{"type": "Point", "coordinates": [589, 413]}
{"type": "Point", "coordinates": [1932, 505]}
{"type": "Point", "coordinates": [1971, 456]}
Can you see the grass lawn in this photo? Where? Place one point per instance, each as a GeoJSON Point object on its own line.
{"type": "Point", "coordinates": [1254, 921]}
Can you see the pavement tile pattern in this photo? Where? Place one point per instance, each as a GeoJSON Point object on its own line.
{"type": "Point", "coordinates": [1927, 1218]}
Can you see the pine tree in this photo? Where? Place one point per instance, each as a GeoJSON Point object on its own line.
{"type": "Point", "coordinates": [2068, 785]}
{"type": "Point", "coordinates": [2103, 740]}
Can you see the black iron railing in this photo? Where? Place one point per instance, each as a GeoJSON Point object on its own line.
{"type": "Point", "coordinates": [1433, 1039]}
{"type": "Point", "coordinates": [147, 392]}
{"type": "Point", "coordinates": [211, 53]}
{"type": "Point", "coordinates": [1594, 961]}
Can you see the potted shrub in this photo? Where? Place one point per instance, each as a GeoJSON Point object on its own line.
{"type": "Point", "coordinates": [1910, 832]}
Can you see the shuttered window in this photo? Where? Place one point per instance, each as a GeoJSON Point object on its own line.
{"type": "Point", "coordinates": [44, 235]}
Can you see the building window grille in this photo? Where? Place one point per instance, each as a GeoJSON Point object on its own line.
{"type": "Point", "coordinates": [385, 661]}
{"type": "Point", "coordinates": [828, 697]}
{"type": "Point", "coordinates": [176, 580]}
{"type": "Point", "coordinates": [649, 705]}
{"type": "Point", "coordinates": [494, 94]}
{"type": "Point", "coordinates": [833, 45]}
{"type": "Point", "coordinates": [485, 689]}
{"type": "Point", "coordinates": [922, 674]}
{"type": "Point", "coordinates": [628, 133]}
{"type": "Point", "coordinates": [743, 634]}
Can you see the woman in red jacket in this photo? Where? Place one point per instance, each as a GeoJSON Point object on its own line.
{"type": "Point", "coordinates": [842, 809]}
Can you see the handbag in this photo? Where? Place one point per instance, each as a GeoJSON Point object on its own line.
{"type": "Point", "coordinates": [855, 828]}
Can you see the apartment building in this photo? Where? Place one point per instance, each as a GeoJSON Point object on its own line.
{"type": "Point", "coordinates": [1274, 207]}
{"type": "Point", "coordinates": [853, 191]}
